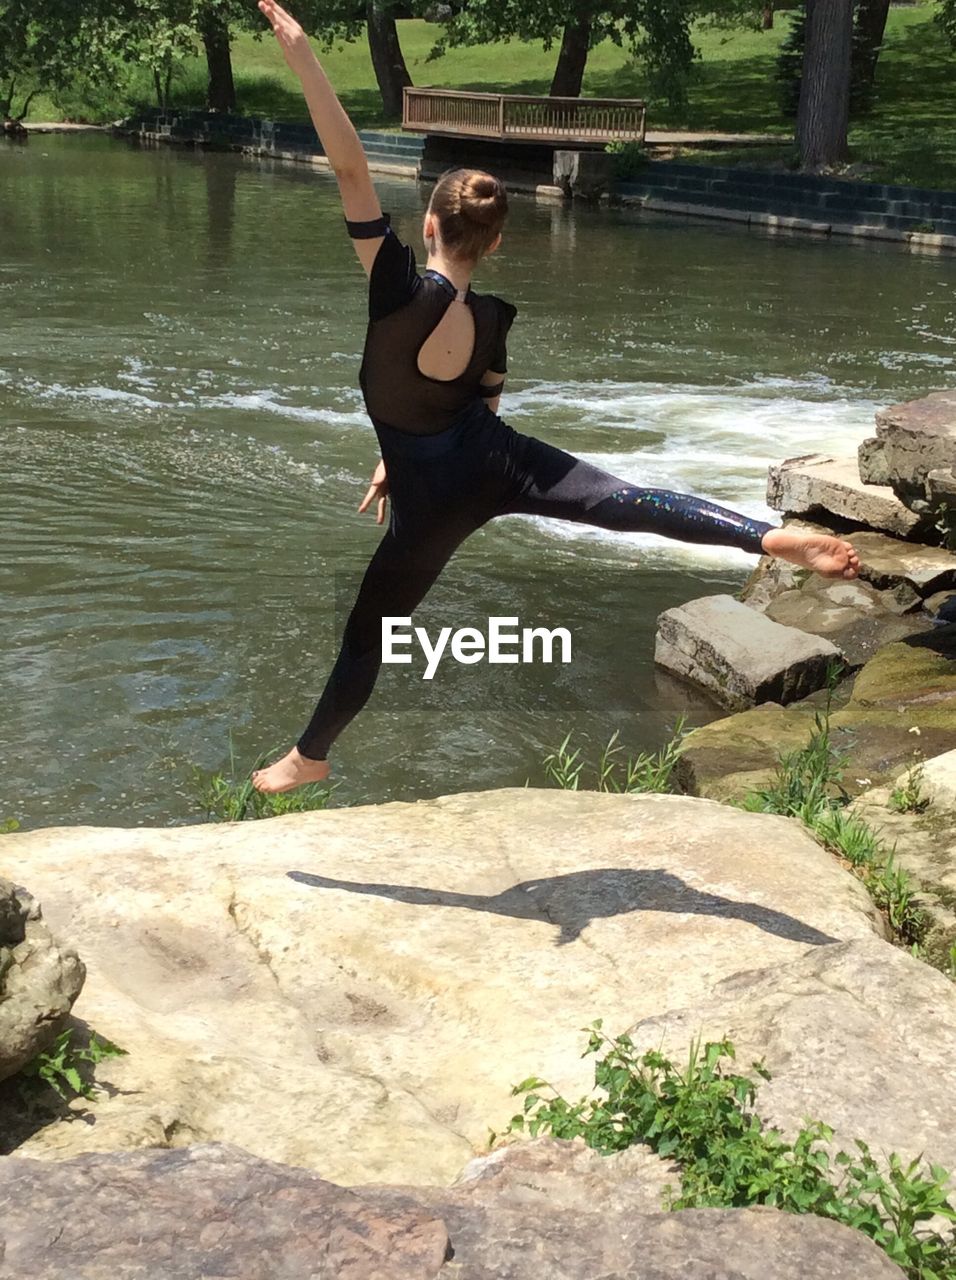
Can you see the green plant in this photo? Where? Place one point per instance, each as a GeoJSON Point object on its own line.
{"type": "Point", "coordinates": [647, 771]}
{"type": "Point", "coordinates": [628, 158]}
{"type": "Point", "coordinates": [59, 1066]}
{"type": "Point", "coordinates": [703, 1119]}
{"type": "Point", "coordinates": [8, 826]}
{"type": "Point", "coordinates": [231, 797]}
{"type": "Point", "coordinates": [808, 784]}
{"type": "Point", "coordinates": [907, 796]}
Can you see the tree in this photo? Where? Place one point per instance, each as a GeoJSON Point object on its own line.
{"type": "Point", "coordinates": [656, 31]}
{"type": "Point", "coordinates": [45, 44]}
{"type": "Point", "coordinates": [824, 110]}
{"type": "Point", "coordinates": [868, 31]}
{"type": "Point", "coordinates": [388, 61]}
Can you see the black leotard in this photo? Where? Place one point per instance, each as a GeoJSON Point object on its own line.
{"type": "Point", "coordinates": [453, 465]}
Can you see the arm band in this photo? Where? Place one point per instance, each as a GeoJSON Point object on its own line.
{"type": "Point", "coordinates": [489, 392]}
{"type": "Point", "coordinates": [368, 230]}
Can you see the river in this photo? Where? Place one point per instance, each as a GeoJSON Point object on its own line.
{"type": "Point", "coordinates": [184, 447]}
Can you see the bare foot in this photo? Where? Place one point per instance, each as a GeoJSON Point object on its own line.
{"type": "Point", "coordinates": [828, 556]}
{"type": "Point", "coordinates": [293, 770]}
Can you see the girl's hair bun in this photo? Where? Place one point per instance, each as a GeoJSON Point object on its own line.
{"type": "Point", "coordinates": [471, 206]}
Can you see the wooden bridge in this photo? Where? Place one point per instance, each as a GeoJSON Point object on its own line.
{"type": "Point", "coordinates": [513, 117]}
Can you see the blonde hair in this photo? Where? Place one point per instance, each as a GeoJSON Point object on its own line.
{"type": "Point", "coordinates": [471, 207]}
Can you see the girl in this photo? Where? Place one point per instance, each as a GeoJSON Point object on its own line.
{"type": "Point", "coordinates": [432, 374]}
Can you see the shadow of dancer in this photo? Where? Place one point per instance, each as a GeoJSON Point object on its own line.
{"type": "Point", "coordinates": [570, 902]}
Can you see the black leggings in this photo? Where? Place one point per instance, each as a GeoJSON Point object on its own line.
{"type": "Point", "coordinates": [442, 488]}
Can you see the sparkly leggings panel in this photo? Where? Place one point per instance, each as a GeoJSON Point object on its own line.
{"type": "Point", "coordinates": [445, 486]}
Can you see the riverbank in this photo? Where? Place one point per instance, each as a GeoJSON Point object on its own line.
{"type": "Point", "coordinates": [908, 138]}
{"type": "Point", "coordinates": [922, 220]}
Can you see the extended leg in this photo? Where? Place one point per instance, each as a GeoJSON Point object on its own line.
{"type": "Point", "coordinates": [558, 485]}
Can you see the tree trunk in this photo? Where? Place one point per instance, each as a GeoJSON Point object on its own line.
{"type": "Point", "coordinates": [824, 109]}
{"type": "Point", "coordinates": [768, 17]}
{"type": "Point", "coordinates": [569, 72]}
{"type": "Point", "coordinates": [871, 25]}
{"type": "Point", "coordinates": [221, 94]}
{"type": "Point", "coordinates": [387, 60]}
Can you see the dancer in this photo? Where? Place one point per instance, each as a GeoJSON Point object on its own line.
{"type": "Point", "coordinates": [432, 373]}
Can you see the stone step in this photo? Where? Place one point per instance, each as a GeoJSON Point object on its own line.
{"type": "Point", "coordinates": [823, 482]}
{"type": "Point", "coordinates": [917, 439]}
{"type": "Point", "coordinates": [739, 655]}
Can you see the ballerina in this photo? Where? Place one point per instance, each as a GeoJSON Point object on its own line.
{"type": "Point", "coordinates": [432, 373]}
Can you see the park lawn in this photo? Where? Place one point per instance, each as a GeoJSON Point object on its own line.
{"type": "Point", "coordinates": [909, 137]}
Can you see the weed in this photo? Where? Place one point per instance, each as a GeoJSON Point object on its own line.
{"type": "Point", "coordinates": [808, 784]}
{"type": "Point", "coordinates": [648, 771]}
{"type": "Point", "coordinates": [59, 1067]}
{"type": "Point", "coordinates": [628, 158]}
{"type": "Point", "coordinates": [8, 826]}
{"type": "Point", "coordinates": [907, 796]}
{"type": "Point", "coordinates": [703, 1119]}
{"type": "Point", "coordinates": [231, 797]}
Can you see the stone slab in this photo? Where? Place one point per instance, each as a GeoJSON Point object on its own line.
{"type": "Point", "coordinates": [357, 990]}
{"type": "Point", "coordinates": [739, 654]}
{"type": "Point", "coordinates": [824, 482]}
{"type": "Point", "coordinates": [871, 463]}
{"type": "Point", "coordinates": [884, 1015]}
{"type": "Point", "coordinates": [918, 437]}
{"type": "Point", "coordinates": [215, 1211]}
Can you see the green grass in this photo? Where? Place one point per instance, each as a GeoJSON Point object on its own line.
{"type": "Point", "coordinates": [567, 768]}
{"type": "Point", "coordinates": [702, 1118]}
{"type": "Point", "coordinates": [808, 784]}
{"type": "Point", "coordinates": [909, 137]}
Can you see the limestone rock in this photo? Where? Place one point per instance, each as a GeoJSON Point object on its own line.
{"type": "Point", "coordinates": [214, 1210]}
{"type": "Point", "coordinates": [904, 697]}
{"type": "Point", "coordinates": [941, 487]}
{"type": "Point", "coordinates": [357, 990]}
{"type": "Point", "coordinates": [852, 615]}
{"type": "Point", "coordinates": [937, 780]}
{"type": "Point", "coordinates": [918, 437]}
{"type": "Point", "coordinates": [822, 482]}
{"type": "Point", "coordinates": [861, 1007]}
{"type": "Point", "coordinates": [871, 462]}
{"type": "Point", "coordinates": [741, 656]}
{"type": "Point", "coordinates": [569, 1175]}
{"type": "Point", "coordinates": [39, 980]}
{"type": "Point", "coordinates": [885, 562]}
{"type": "Point", "coordinates": [204, 1211]}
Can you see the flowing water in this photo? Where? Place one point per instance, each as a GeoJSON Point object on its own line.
{"type": "Point", "coordinates": [184, 447]}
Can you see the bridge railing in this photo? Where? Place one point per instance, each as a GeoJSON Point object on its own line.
{"type": "Point", "coordinates": [523, 117]}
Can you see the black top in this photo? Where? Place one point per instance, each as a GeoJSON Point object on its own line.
{"type": "Point", "coordinates": [403, 309]}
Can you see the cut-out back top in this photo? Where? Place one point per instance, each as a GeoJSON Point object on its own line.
{"type": "Point", "coordinates": [403, 309]}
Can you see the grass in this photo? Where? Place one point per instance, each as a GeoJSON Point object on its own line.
{"type": "Point", "coordinates": [907, 796]}
{"type": "Point", "coordinates": [702, 1118]}
{"type": "Point", "coordinates": [909, 137]}
{"type": "Point", "coordinates": [231, 797]}
{"type": "Point", "coordinates": [807, 784]}
{"type": "Point", "coordinates": [568, 769]}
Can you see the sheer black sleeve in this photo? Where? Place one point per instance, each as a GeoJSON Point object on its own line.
{"type": "Point", "coordinates": [499, 362]}
{"type": "Point", "coordinates": [393, 278]}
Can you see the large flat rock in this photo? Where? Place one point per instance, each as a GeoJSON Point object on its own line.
{"type": "Point", "coordinates": [357, 990]}
{"type": "Point", "coordinates": [216, 1211]}
{"type": "Point", "coordinates": [918, 437]}
{"type": "Point", "coordinates": [819, 483]}
{"type": "Point", "coordinates": [885, 1016]}
{"type": "Point", "coordinates": [742, 656]}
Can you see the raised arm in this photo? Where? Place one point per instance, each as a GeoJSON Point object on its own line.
{"type": "Point", "coordinates": [341, 143]}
